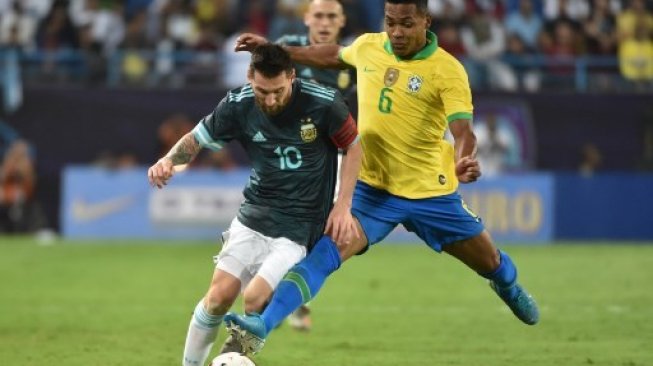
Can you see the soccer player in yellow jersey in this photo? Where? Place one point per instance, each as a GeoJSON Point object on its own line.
{"type": "Point", "coordinates": [409, 92]}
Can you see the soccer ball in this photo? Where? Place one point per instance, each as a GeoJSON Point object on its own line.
{"type": "Point", "coordinates": [232, 359]}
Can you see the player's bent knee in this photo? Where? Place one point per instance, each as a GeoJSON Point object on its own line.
{"type": "Point", "coordinates": [254, 303]}
{"type": "Point", "coordinates": [217, 307]}
{"type": "Point", "coordinates": [219, 302]}
{"type": "Point", "coordinates": [494, 260]}
{"type": "Point", "coordinates": [255, 306]}
{"type": "Point", "coordinates": [355, 247]}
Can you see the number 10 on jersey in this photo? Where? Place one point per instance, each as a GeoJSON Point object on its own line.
{"type": "Point", "coordinates": [289, 158]}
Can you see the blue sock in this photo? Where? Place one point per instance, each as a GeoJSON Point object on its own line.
{"type": "Point", "coordinates": [505, 276]}
{"type": "Point", "coordinates": [302, 282]}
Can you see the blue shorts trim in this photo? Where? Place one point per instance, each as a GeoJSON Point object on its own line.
{"type": "Point", "coordinates": [438, 220]}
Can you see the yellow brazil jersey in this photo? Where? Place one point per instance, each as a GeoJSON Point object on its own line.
{"type": "Point", "coordinates": [404, 110]}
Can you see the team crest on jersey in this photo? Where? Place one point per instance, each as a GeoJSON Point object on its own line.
{"type": "Point", "coordinates": [308, 130]}
{"type": "Point", "coordinates": [391, 76]}
{"type": "Point", "coordinates": [414, 83]}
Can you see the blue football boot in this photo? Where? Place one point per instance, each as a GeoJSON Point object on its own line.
{"type": "Point", "coordinates": [248, 330]}
{"type": "Point", "coordinates": [522, 303]}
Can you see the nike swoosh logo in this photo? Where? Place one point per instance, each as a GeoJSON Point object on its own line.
{"type": "Point", "coordinates": [368, 70]}
{"type": "Point", "coordinates": [84, 211]}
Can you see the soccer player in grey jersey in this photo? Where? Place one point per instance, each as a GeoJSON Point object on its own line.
{"type": "Point", "coordinates": [292, 130]}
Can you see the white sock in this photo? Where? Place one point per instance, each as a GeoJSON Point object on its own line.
{"type": "Point", "coordinates": [202, 332]}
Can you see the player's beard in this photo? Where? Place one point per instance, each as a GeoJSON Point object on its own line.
{"type": "Point", "coordinates": [271, 111]}
{"type": "Point", "coordinates": [275, 109]}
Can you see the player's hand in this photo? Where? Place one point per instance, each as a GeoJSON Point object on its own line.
{"type": "Point", "coordinates": [249, 41]}
{"type": "Point", "coordinates": [160, 173]}
{"type": "Point", "coordinates": [467, 169]}
{"type": "Point", "coordinates": [341, 225]}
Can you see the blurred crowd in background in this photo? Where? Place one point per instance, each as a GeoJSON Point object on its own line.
{"type": "Point", "coordinates": [505, 44]}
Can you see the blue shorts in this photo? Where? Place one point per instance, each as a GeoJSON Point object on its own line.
{"type": "Point", "coordinates": [438, 221]}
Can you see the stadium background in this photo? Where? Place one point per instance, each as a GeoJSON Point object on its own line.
{"type": "Point", "coordinates": [100, 89]}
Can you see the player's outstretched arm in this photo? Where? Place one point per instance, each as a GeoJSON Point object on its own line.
{"type": "Point", "coordinates": [467, 168]}
{"type": "Point", "coordinates": [324, 56]}
{"type": "Point", "coordinates": [320, 55]}
{"type": "Point", "coordinates": [184, 151]}
{"type": "Point", "coordinates": [341, 225]}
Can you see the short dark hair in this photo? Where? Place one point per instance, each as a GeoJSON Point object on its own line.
{"type": "Point", "coordinates": [270, 60]}
{"type": "Point", "coordinates": [422, 5]}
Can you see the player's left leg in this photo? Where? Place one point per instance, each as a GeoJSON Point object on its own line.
{"type": "Point", "coordinates": [445, 223]}
{"type": "Point", "coordinates": [480, 254]}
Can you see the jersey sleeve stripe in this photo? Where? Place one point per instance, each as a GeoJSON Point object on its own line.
{"type": "Point", "coordinates": [245, 92]}
{"type": "Point", "coordinates": [214, 146]}
{"type": "Point", "coordinates": [317, 88]}
{"type": "Point", "coordinates": [319, 95]}
{"type": "Point", "coordinates": [460, 115]}
{"type": "Point", "coordinates": [205, 140]}
{"type": "Point", "coordinates": [240, 96]}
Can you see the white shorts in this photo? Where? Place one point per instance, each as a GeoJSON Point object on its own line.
{"type": "Point", "coordinates": [246, 253]}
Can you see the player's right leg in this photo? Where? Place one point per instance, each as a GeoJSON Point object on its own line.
{"type": "Point", "coordinates": [241, 251]}
{"type": "Point", "coordinates": [207, 317]}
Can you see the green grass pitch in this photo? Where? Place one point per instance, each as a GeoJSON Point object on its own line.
{"type": "Point", "coordinates": [118, 303]}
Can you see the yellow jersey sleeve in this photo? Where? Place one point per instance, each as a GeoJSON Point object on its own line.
{"type": "Point", "coordinates": [349, 54]}
{"type": "Point", "coordinates": [455, 93]}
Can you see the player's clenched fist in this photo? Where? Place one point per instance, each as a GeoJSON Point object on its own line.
{"type": "Point", "coordinates": [161, 172]}
{"type": "Point", "coordinates": [467, 169]}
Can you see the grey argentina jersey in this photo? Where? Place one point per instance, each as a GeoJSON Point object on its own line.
{"type": "Point", "coordinates": [293, 157]}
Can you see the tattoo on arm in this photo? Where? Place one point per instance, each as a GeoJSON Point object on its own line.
{"type": "Point", "coordinates": [184, 150]}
